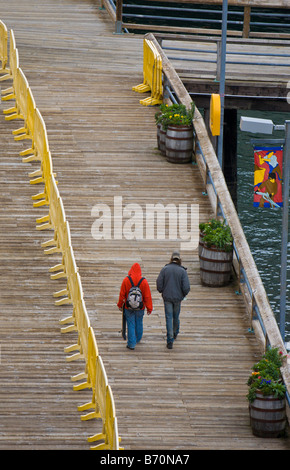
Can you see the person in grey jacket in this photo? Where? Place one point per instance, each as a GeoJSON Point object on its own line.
{"type": "Point", "coordinates": [173, 284]}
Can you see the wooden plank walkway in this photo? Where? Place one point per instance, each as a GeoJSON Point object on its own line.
{"type": "Point", "coordinates": [103, 144]}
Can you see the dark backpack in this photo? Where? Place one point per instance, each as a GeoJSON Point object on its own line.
{"type": "Point", "coordinates": [135, 299]}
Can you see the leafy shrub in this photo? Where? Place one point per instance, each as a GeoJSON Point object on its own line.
{"type": "Point", "coordinates": [216, 233]}
{"type": "Point", "coordinates": [266, 376]}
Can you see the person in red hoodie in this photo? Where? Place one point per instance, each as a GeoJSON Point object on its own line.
{"type": "Point", "coordinates": [134, 318]}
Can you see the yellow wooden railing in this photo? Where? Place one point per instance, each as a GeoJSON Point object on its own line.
{"type": "Point", "coordinates": [24, 108]}
{"type": "Point", "coordinates": [3, 48]}
{"type": "Point", "coordinates": [152, 75]}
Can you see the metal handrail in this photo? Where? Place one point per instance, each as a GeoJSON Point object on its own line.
{"type": "Point", "coordinates": [243, 26]}
{"type": "Point", "coordinates": [207, 55]}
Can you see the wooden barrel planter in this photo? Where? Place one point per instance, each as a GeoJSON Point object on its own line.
{"type": "Point", "coordinates": [158, 135]}
{"type": "Point", "coordinates": [201, 243]}
{"type": "Point", "coordinates": [268, 415]}
{"type": "Point", "coordinates": [215, 266]}
{"type": "Point", "coordinates": [179, 144]}
{"type": "Point", "coordinates": [162, 140]}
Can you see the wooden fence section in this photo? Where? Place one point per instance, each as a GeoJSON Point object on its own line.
{"type": "Point", "coordinates": [115, 10]}
{"type": "Point", "coordinates": [103, 143]}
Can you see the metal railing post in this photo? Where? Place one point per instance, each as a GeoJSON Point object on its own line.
{"type": "Point", "coordinates": [222, 79]}
{"type": "Point", "coordinates": [218, 60]}
{"type": "Point", "coordinates": [285, 216]}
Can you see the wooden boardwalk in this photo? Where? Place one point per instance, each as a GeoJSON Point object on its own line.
{"type": "Point", "coordinates": [103, 144]}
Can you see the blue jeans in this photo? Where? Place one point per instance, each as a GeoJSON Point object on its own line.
{"type": "Point", "coordinates": [172, 311]}
{"type": "Point", "coordinates": [134, 326]}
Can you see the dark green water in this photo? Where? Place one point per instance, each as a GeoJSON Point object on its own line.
{"type": "Point", "coordinates": [262, 226]}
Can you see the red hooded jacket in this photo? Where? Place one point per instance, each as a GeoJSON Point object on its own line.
{"type": "Point", "coordinates": [136, 274]}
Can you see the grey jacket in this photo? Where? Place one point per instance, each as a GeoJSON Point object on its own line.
{"type": "Point", "coordinates": [173, 282]}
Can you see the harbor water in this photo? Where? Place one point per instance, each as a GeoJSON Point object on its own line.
{"type": "Point", "coordinates": [262, 226]}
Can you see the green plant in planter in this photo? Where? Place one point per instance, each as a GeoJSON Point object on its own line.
{"type": "Point", "coordinates": [174, 115]}
{"type": "Point", "coordinates": [266, 376]}
{"type": "Point", "coordinates": [217, 234]}
{"type": "Point", "coordinates": [211, 224]}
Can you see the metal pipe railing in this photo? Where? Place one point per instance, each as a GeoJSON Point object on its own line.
{"type": "Point", "coordinates": [240, 54]}
{"type": "Point", "coordinates": [244, 19]}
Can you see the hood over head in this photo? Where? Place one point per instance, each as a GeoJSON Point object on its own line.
{"type": "Point", "coordinates": [135, 272]}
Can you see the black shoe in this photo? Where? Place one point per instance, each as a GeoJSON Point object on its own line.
{"type": "Point", "coordinates": [169, 345]}
{"type": "Point", "coordinates": [132, 349]}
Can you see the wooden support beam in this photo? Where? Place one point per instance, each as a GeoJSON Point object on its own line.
{"type": "Point", "coordinates": [247, 19]}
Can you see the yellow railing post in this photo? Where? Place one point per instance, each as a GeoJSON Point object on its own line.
{"type": "Point", "coordinates": [109, 434]}
{"type": "Point", "coordinates": [91, 365]}
{"type": "Point", "coordinates": [145, 86]}
{"type": "Point", "coordinates": [156, 81]}
{"type": "Point", "coordinates": [73, 290]}
{"type": "Point", "coordinates": [13, 63]}
{"type": "Point", "coordinates": [19, 111]}
{"type": "Point", "coordinates": [61, 240]}
{"type": "Point", "coordinates": [27, 131]}
{"type": "Point", "coordinates": [35, 153]}
{"type": "Point", "coordinates": [3, 48]}
{"type": "Point", "coordinates": [98, 403]}
{"type": "Point", "coordinates": [50, 221]}
{"type": "Point", "coordinates": [83, 326]}
{"type": "Point", "coordinates": [152, 75]}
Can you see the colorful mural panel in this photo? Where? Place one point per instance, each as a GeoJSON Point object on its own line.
{"type": "Point", "coordinates": [268, 176]}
